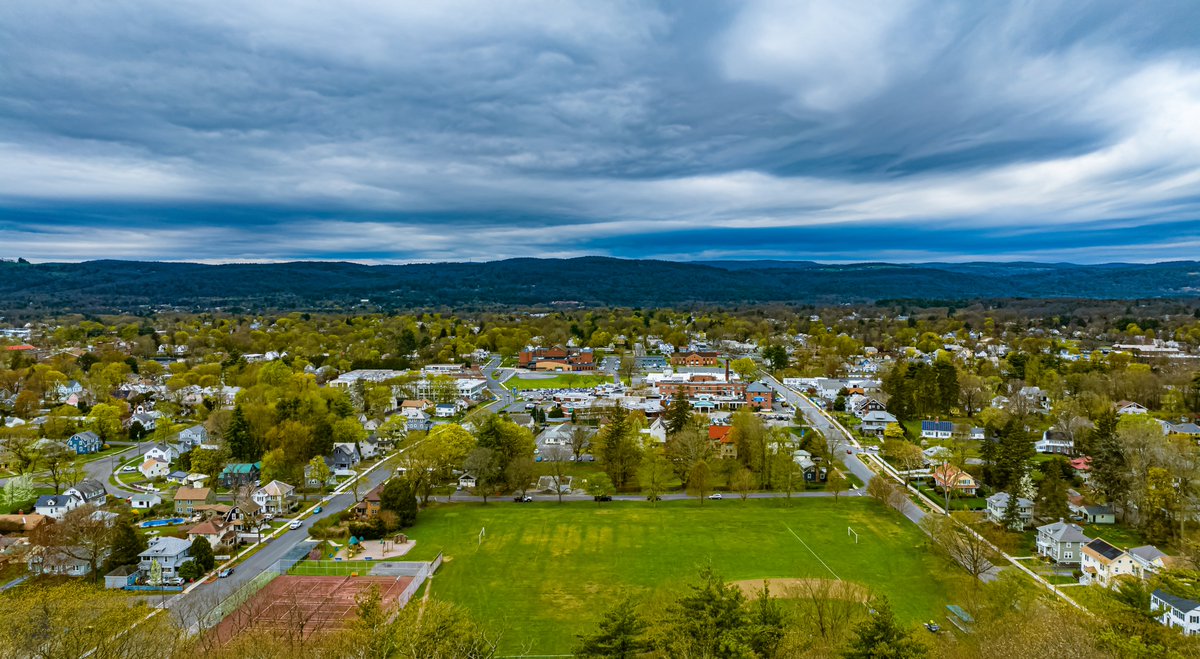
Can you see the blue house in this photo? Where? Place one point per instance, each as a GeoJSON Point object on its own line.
{"type": "Point", "coordinates": [85, 442]}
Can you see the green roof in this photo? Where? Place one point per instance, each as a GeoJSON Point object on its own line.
{"type": "Point", "coordinates": [240, 467]}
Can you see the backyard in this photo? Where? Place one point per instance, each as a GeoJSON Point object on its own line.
{"type": "Point", "coordinates": [544, 572]}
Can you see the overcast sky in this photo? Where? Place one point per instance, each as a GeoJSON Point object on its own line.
{"type": "Point", "coordinates": [396, 131]}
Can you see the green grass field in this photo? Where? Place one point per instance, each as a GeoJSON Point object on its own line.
{"type": "Point", "coordinates": [545, 572]}
{"type": "Point", "coordinates": [561, 381]}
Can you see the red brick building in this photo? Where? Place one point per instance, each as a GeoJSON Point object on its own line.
{"type": "Point", "coordinates": [695, 359]}
{"type": "Point", "coordinates": [557, 359]}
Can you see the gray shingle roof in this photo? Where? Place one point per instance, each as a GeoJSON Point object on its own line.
{"type": "Point", "coordinates": [1061, 531]}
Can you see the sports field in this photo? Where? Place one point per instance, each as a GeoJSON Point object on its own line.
{"type": "Point", "coordinates": [544, 572]}
{"type": "Point", "coordinates": [559, 381]}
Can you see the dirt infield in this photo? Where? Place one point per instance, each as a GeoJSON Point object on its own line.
{"type": "Point", "coordinates": [306, 605]}
{"type": "Point", "coordinates": [798, 588]}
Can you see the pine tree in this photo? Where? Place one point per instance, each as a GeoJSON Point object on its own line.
{"type": "Point", "coordinates": [620, 635]}
{"type": "Point", "coordinates": [1110, 470]}
{"type": "Point", "coordinates": [679, 413]}
{"type": "Point", "coordinates": [127, 543]}
{"type": "Point", "coordinates": [1052, 493]}
{"type": "Point", "coordinates": [202, 554]}
{"type": "Point", "coordinates": [237, 436]}
{"type": "Point", "coordinates": [881, 638]}
{"type": "Point", "coordinates": [1012, 513]}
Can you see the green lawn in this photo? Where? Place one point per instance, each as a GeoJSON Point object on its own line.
{"type": "Point", "coordinates": [560, 381]}
{"type": "Point", "coordinates": [545, 572]}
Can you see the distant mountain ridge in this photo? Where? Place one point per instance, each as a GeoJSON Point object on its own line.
{"type": "Point", "coordinates": [591, 281]}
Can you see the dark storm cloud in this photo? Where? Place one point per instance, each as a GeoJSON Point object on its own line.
{"type": "Point", "coordinates": [463, 130]}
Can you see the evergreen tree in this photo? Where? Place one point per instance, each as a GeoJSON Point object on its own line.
{"type": "Point", "coordinates": [399, 497]}
{"type": "Point", "coordinates": [1013, 453]}
{"type": "Point", "coordinates": [237, 437]}
{"type": "Point", "coordinates": [709, 621]}
{"type": "Point", "coordinates": [202, 554]}
{"type": "Point", "coordinates": [679, 413]}
{"type": "Point", "coordinates": [127, 543]}
{"type": "Point", "coordinates": [1012, 513]}
{"type": "Point", "coordinates": [620, 635]}
{"type": "Point", "coordinates": [1052, 493]}
{"type": "Point", "coordinates": [1110, 470]}
{"type": "Point", "coordinates": [881, 638]}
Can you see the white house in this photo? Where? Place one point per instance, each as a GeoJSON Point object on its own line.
{"type": "Point", "coordinates": [998, 502]}
{"type": "Point", "coordinates": [162, 453]}
{"type": "Point", "coordinates": [153, 468]}
{"type": "Point", "coordinates": [1053, 441]}
{"type": "Point", "coordinates": [194, 436]}
{"type": "Point", "coordinates": [1183, 614]}
{"type": "Point", "coordinates": [56, 505]}
{"type": "Point", "coordinates": [937, 429]}
{"type": "Point", "coordinates": [1102, 563]}
{"type": "Point", "coordinates": [1127, 407]}
{"type": "Point", "coordinates": [144, 500]}
{"type": "Point", "coordinates": [169, 553]}
{"type": "Point", "coordinates": [466, 482]}
{"type": "Point", "coordinates": [275, 497]}
{"type": "Point", "coordinates": [1147, 560]}
{"type": "Point", "coordinates": [89, 490]}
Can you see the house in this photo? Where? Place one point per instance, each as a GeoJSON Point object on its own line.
{"type": "Point", "coordinates": [144, 501]}
{"type": "Point", "coordinates": [152, 469]}
{"type": "Point", "coordinates": [343, 457]}
{"type": "Point", "coordinates": [1148, 561]}
{"type": "Point", "coordinates": [998, 503]}
{"type": "Point", "coordinates": [311, 481]}
{"type": "Point", "coordinates": [657, 432]}
{"type": "Point", "coordinates": [978, 433]}
{"type": "Point", "coordinates": [178, 476]}
{"type": "Point", "coordinates": [1098, 515]}
{"type": "Point", "coordinates": [62, 561]}
{"type": "Point", "coordinates": [722, 439]}
{"type": "Point", "coordinates": [188, 498]}
{"type": "Point", "coordinates": [56, 505]}
{"type": "Point", "coordinates": [84, 443]}
{"type": "Point", "coordinates": [812, 472]}
{"type": "Point", "coordinates": [952, 477]}
{"type": "Point", "coordinates": [1128, 407]}
{"type": "Point", "coordinates": [1182, 614]}
{"type": "Point", "coordinates": [370, 504]}
{"type": "Point", "coordinates": [275, 497]}
{"type": "Point", "coordinates": [239, 474]}
{"type": "Point", "coordinates": [21, 523]}
{"type": "Point", "coordinates": [937, 429]}
{"type": "Point", "coordinates": [466, 481]}
{"type": "Point", "coordinates": [121, 577]}
{"type": "Point", "coordinates": [194, 436]}
{"type": "Point", "coordinates": [1061, 542]}
{"type": "Point", "coordinates": [445, 410]}
{"type": "Point", "coordinates": [1189, 429]}
{"type": "Point", "coordinates": [214, 531]}
{"type": "Point", "coordinates": [89, 490]}
{"type": "Point", "coordinates": [148, 422]}
{"type": "Point", "coordinates": [760, 396]}
{"type": "Point", "coordinates": [1102, 563]}
{"type": "Point", "coordinates": [162, 453]}
{"type": "Point", "coordinates": [1054, 441]}
{"type": "Point", "coordinates": [860, 406]}
{"type": "Point", "coordinates": [876, 422]}
{"type": "Point", "coordinates": [167, 552]}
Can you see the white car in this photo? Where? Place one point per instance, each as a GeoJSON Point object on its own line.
{"type": "Point", "coordinates": [295, 524]}
{"type": "Point", "coordinates": [128, 469]}
{"type": "Point", "coordinates": [715, 495]}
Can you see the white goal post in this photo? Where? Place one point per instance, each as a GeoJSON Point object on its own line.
{"type": "Point", "coordinates": [852, 532]}
{"type": "Point", "coordinates": [482, 533]}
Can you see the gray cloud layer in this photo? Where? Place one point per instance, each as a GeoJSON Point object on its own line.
{"type": "Point", "coordinates": [406, 131]}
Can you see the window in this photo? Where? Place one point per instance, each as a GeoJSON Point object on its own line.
{"type": "Point", "coordinates": [1194, 618]}
{"type": "Point", "coordinates": [1067, 555]}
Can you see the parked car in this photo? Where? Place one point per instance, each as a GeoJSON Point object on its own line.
{"type": "Point", "coordinates": [602, 497]}
{"type": "Point", "coordinates": [127, 469]}
{"type": "Point", "coordinates": [295, 524]}
{"type": "Point", "coordinates": [173, 581]}
{"type": "Point", "coordinates": [525, 498]}
{"type": "Point", "coordinates": [654, 498]}
{"type": "Point", "coordinates": [317, 510]}
{"type": "Point", "coordinates": [715, 495]}
{"type": "Point", "coordinates": [529, 406]}
{"type": "Point", "coordinates": [225, 573]}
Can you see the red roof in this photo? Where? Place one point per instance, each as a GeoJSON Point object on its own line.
{"type": "Point", "coordinates": [20, 347]}
{"type": "Point", "coordinates": [1082, 464]}
{"type": "Point", "coordinates": [720, 433]}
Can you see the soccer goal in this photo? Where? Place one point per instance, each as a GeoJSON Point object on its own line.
{"type": "Point", "coordinates": [851, 532]}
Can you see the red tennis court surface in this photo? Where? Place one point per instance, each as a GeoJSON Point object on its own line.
{"type": "Point", "coordinates": [305, 605]}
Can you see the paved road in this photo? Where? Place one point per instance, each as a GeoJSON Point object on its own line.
{"type": "Point", "coordinates": [461, 497]}
{"type": "Point", "coordinates": [103, 468]}
{"type": "Point", "coordinates": [191, 603]}
{"type": "Point", "coordinates": [505, 400]}
{"type": "Point", "coordinates": [843, 445]}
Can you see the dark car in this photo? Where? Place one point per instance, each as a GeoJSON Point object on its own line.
{"type": "Point", "coordinates": [523, 499]}
{"type": "Point", "coordinates": [654, 498]}
{"type": "Point", "coordinates": [602, 497]}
